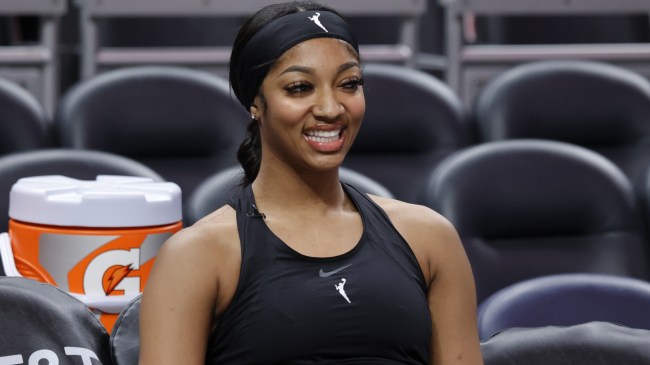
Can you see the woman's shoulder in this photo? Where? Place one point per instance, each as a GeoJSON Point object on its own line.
{"type": "Point", "coordinates": [222, 220]}
{"type": "Point", "coordinates": [215, 233]}
{"type": "Point", "coordinates": [415, 215]}
{"type": "Point", "coordinates": [429, 234]}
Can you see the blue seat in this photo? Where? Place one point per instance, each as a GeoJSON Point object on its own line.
{"type": "Point", "coordinates": [593, 343]}
{"type": "Point", "coordinates": [566, 300]}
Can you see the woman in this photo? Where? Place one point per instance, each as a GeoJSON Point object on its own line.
{"type": "Point", "coordinates": [302, 269]}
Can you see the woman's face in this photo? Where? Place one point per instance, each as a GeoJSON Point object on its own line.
{"type": "Point", "coordinates": [312, 105]}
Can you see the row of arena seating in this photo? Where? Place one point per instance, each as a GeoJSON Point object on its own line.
{"type": "Point", "coordinates": [41, 322]}
{"type": "Point", "coordinates": [523, 208]}
{"type": "Point", "coordinates": [186, 125]}
{"type": "Point", "coordinates": [575, 199]}
{"type": "Point", "coordinates": [539, 188]}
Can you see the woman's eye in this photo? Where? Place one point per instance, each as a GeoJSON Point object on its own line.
{"type": "Point", "coordinates": [353, 84]}
{"type": "Point", "coordinates": [298, 88]}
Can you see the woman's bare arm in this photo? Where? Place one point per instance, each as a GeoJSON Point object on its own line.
{"type": "Point", "coordinates": [182, 294]}
{"type": "Point", "coordinates": [452, 302]}
{"type": "Point", "coordinates": [452, 294]}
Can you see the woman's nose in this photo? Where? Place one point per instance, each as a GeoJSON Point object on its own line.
{"type": "Point", "coordinates": [328, 106]}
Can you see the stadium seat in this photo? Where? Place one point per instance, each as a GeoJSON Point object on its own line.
{"type": "Point", "coordinates": [594, 343]}
{"type": "Point", "coordinates": [24, 124]}
{"type": "Point", "coordinates": [183, 123]}
{"type": "Point", "coordinates": [529, 208]}
{"type": "Point", "coordinates": [566, 300]}
{"type": "Point", "coordinates": [598, 106]}
{"type": "Point", "coordinates": [218, 189]}
{"type": "Point", "coordinates": [412, 121]}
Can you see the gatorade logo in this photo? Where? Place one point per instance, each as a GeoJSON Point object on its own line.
{"type": "Point", "coordinates": [100, 265]}
{"type": "Point", "coordinates": [109, 271]}
{"type": "Point", "coordinates": [113, 277]}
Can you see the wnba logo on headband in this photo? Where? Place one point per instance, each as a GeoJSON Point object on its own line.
{"type": "Point", "coordinates": [317, 21]}
{"type": "Point", "coordinates": [278, 36]}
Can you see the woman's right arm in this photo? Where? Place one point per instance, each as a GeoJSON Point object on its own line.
{"type": "Point", "coordinates": [181, 295]}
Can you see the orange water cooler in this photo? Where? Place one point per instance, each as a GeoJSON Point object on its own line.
{"type": "Point", "coordinates": [95, 239]}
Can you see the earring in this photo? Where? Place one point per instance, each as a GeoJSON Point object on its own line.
{"type": "Point", "coordinates": [253, 116]}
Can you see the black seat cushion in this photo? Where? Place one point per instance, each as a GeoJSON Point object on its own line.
{"type": "Point", "coordinates": [594, 343]}
{"type": "Point", "coordinates": [39, 321]}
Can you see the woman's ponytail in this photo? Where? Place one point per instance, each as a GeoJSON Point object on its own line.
{"type": "Point", "coordinates": [250, 153]}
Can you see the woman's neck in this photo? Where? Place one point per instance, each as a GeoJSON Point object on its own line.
{"type": "Point", "coordinates": [287, 189]}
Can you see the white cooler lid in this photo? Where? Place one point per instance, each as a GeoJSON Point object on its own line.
{"type": "Point", "coordinates": [108, 201]}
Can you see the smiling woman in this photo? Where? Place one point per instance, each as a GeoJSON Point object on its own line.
{"type": "Point", "coordinates": [314, 90]}
{"type": "Point", "coordinates": [300, 268]}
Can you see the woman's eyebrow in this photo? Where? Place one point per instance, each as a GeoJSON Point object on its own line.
{"type": "Point", "coordinates": [310, 70]}
{"type": "Point", "coordinates": [347, 66]}
{"type": "Point", "coordinates": [298, 68]}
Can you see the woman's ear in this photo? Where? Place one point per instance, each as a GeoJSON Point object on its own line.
{"type": "Point", "coordinates": [256, 111]}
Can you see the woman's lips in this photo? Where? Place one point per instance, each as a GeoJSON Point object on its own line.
{"type": "Point", "coordinates": [325, 140]}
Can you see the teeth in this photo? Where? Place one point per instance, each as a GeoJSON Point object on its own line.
{"type": "Point", "coordinates": [323, 136]}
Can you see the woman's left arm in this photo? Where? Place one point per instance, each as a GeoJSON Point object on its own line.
{"type": "Point", "coordinates": [452, 300]}
{"type": "Point", "coordinates": [451, 291]}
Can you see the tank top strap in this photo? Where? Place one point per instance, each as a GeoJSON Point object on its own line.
{"type": "Point", "coordinates": [253, 235]}
{"type": "Point", "coordinates": [379, 228]}
{"type": "Point", "coordinates": [369, 210]}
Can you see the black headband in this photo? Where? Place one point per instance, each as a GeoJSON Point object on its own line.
{"type": "Point", "coordinates": [275, 38]}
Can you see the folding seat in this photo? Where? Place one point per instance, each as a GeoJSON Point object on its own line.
{"type": "Point", "coordinates": [412, 121]}
{"type": "Point", "coordinates": [566, 300]}
{"type": "Point", "coordinates": [41, 322]}
{"type": "Point", "coordinates": [24, 124]}
{"type": "Point", "coordinates": [593, 343]}
{"type": "Point", "coordinates": [529, 208]}
{"type": "Point", "coordinates": [599, 106]}
{"type": "Point", "coordinates": [218, 189]}
{"type": "Point", "coordinates": [181, 122]}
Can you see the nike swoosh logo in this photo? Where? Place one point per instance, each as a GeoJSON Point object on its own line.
{"type": "Point", "coordinates": [324, 274]}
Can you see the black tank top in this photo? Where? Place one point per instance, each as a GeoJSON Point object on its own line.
{"type": "Point", "coordinates": [367, 306]}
